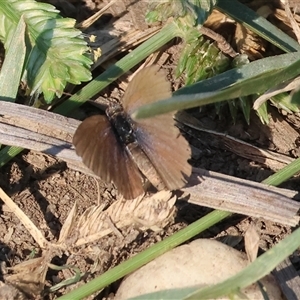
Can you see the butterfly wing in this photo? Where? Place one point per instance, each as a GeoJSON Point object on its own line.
{"type": "Point", "coordinates": [147, 86]}
{"type": "Point", "coordinates": [158, 137]}
{"type": "Point", "coordinates": [166, 148]}
{"type": "Point", "coordinates": [96, 143]}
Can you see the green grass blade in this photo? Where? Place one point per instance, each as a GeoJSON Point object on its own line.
{"type": "Point", "coordinates": [11, 70]}
{"type": "Point", "coordinates": [258, 24]}
{"type": "Point", "coordinates": [249, 79]}
{"type": "Point", "coordinates": [7, 153]}
{"type": "Point", "coordinates": [284, 174]}
{"type": "Point", "coordinates": [144, 257]}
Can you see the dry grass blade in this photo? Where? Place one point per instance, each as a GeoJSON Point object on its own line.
{"type": "Point", "coordinates": [242, 196]}
{"type": "Point", "coordinates": [292, 20]}
{"type": "Point", "coordinates": [147, 212]}
{"type": "Point", "coordinates": [30, 275]}
{"type": "Point", "coordinates": [284, 87]}
{"type": "Point", "coordinates": [272, 160]}
{"type": "Point", "coordinates": [88, 22]}
{"type": "Point", "coordinates": [123, 43]}
{"type": "Point", "coordinates": [33, 230]}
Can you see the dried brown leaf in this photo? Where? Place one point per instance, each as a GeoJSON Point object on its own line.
{"type": "Point", "coordinates": [251, 242]}
{"type": "Point", "coordinates": [292, 20]}
{"type": "Point", "coordinates": [247, 42]}
{"type": "Point", "coordinates": [29, 276]}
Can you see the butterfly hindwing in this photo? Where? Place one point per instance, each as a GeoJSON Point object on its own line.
{"type": "Point", "coordinates": [166, 148]}
{"type": "Point", "coordinates": [96, 143]}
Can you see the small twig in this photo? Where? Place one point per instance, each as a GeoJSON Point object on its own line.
{"type": "Point", "coordinates": [88, 22]}
{"type": "Point", "coordinates": [123, 42]}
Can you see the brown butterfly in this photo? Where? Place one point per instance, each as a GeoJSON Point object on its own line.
{"type": "Point", "coordinates": [123, 151]}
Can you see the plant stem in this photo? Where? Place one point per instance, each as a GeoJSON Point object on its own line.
{"type": "Point", "coordinates": [166, 34]}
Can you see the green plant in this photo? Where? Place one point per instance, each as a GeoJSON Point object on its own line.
{"type": "Point", "coordinates": [55, 51]}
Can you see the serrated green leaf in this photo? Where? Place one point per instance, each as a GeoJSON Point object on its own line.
{"type": "Point", "coordinates": [54, 45]}
{"type": "Point", "coordinates": [189, 13]}
{"type": "Point", "coordinates": [202, 60]}
{"type": "Point", "coordinates": [190, 68]}
{"type": "Point", "coordinates": [181, 65]}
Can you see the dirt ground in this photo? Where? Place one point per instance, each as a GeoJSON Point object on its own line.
{"type": "Point", "coordinates": [46, 190]}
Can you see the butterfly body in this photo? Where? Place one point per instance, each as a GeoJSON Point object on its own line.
{"type": "Point", "coordinates": [124, 151]}
{"type": "Point", "coordinates": [122, 125]}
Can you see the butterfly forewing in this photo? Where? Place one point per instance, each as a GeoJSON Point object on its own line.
{"type": "Point", "coordinates": [147, 86]}
{"type": "Point", "coordinates": [96, 143]}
